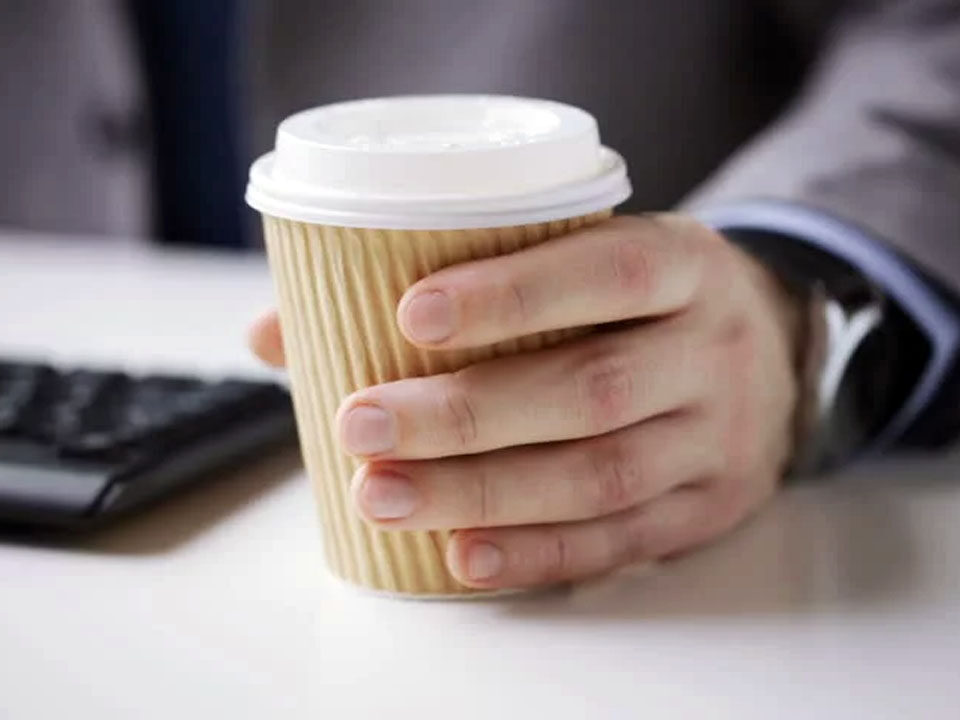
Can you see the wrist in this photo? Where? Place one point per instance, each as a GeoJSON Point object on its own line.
{"type": "Point", "coordinates": [844, 349]}
{"type": "Point", "coordinates": [788, 306]}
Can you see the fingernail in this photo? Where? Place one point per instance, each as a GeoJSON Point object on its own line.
{"type": "Point", "coordinates": [484, 561]}
{"type": "Point", "coordinates": [368, 430]}
{"type": "Point", "coordinates": [429, 317]}
{"type": "Point", "coordinates": [387, 496]}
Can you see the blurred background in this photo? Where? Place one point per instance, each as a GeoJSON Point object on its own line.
{"type": "Point", "coordinates": [140, 118]}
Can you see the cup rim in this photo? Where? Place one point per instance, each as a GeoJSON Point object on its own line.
{"type": "Point", "coordinates": [290, 200]}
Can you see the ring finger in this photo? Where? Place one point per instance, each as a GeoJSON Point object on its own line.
{"type": "Point", "coordinates": [562, 482]}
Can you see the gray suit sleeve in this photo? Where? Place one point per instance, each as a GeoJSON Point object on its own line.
{"type": "Point", "coordinates": [874, 135]}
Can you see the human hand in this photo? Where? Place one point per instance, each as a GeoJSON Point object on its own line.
{"type": "Point", "coordinates": [660, 431]}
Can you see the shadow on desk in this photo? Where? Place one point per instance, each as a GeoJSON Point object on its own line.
{"type": "Point", "coordinates": [185, 515]}
{"type": "Point", "coordinates": [817, 549]}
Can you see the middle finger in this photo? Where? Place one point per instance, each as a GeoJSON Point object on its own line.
{"type": "Point", "coordinates": [590, 387]}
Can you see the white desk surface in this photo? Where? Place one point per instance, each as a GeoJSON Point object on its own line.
{"type": "Point", "coordinates": [842, 600]}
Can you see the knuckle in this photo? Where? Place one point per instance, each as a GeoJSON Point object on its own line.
{"type": "Point", "coordinates": [515, 303]}
{"type": "Point", "coordinates": [730, 339]}
{"type": "Point", "coordinates": [635, 538]}
{"type": "Point", "coordinates": [628, 538]}
{"type": "Point", "coordinates": [458, 412]}
{"type": "Point", "coordinates": [735, 336]}
{"type": "Point", "coordinates": [486, 504]}
{"type": "Point", "coordinates": [632, 264]}
{"type": "Point", "coordinates": [554, 561]}
{"type": "Point", "coordinates": [664, 257]}
{"type": "Point", "coordinates": [605, 389]}
{"type": "Point", "coordinates": [613, 476]}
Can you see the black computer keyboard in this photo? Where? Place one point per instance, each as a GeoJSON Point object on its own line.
{"type": "Point", "coordinates": [80, 446]}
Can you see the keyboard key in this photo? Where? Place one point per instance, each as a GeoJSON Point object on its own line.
{"type": "Point", "coordinates": [22, 389]}
{"type": "Point", "coordinates": [93, 444]}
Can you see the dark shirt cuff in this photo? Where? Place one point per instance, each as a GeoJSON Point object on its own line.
{"type": "Point", "coordinates": [936, 319]}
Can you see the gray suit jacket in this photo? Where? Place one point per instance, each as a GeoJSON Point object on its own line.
{"type": "Point", "coordinates": [851, 107]}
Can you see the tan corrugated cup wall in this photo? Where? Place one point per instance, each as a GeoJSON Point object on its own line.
{"type": "Point", "coordinates": [338, 290]}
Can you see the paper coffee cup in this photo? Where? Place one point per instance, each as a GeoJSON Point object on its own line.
{"type": "Point", "coordinates": [362, 199]}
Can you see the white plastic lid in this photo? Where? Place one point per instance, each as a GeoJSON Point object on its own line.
{"type": "Point", "coordinates": [437, 162]}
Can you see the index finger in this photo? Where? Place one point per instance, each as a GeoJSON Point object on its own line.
{"type": "Point", "coordinates": [625, 268]}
